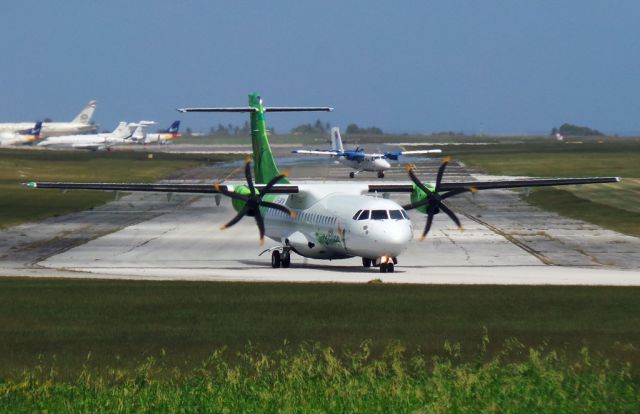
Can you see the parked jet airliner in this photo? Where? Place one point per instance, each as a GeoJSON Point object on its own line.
{"type": "Point", "coordinates": [325, 220]}
{"type": "Point", "coordinates": [140, 135]}
{"type": "Point", "coordinates": [93, 142]}
{"type": "Point", "coordinates": [29, 136]}
{"type": "Point", "coordinates": [81, 124]}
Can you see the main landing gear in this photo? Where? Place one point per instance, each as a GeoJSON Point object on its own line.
{"type": "Point", "coordinates": [387, 264]}
{"type": "Point", "coordinates": [281, 259]}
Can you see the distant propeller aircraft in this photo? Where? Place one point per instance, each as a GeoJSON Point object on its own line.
{"type": "Point", "coordinates": [358, 159]}
{"type": "Point", "coordinates": [325, 220]}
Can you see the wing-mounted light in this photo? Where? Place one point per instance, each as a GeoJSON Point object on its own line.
{"type": "Point", "coordinates": [247, 200]}
{"type": "Point", "coordinates": [430, 201]}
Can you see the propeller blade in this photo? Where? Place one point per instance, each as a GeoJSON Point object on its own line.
{"type": "Point", "coordinates": [415, 179]}
{"type": "Point", "coordinates": [451, 214]}
{"type": "Point", "coordinates": [273, 182]}
{"type": "Point", "coordinates": [231, 194]}
{"type": "Point", "coordinates": [247, 174]}
{"type": "Point", "coordinates": [237, 218]}
{"type": "Point", "coordinates": [427, 227]}
{"type": "Point", "coordinates": [280, 207]}
{"type": "Point", "coordinates": [260, 222]}
{"type": "Point", "coordinates": [456, 192]}
{"type": "Point", "coordinates": [416, 204]}
{"type": "Point", "coordinates": [443, 166]}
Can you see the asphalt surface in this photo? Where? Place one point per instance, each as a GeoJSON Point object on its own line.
{"type": "Point", "coordinates": [506, 241]}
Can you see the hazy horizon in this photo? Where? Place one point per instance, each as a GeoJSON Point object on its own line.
{"type": "Point", "coordinates": [491, 67]}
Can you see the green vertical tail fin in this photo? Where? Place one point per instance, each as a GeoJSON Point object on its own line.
{"type": "Point", "coordinates": [264, 165]}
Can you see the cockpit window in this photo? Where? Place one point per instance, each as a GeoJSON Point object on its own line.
{"type": "Point", "coordinates": [379, 215]}
{"type": "Point", "coordinates": [364, 215]}
{"type": "Point", "coordinates": [395, 215]}
{"type": "Point", "coordinates": [404, 213]}
{"type": "Point", "coordinates": [355, 216]}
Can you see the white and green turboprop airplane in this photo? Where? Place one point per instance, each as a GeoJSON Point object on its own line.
{"type": "Point", "coordinates": [325, 220]}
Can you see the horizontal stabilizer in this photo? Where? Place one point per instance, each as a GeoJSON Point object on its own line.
{"type": "Point", "coordinates": [298, 109]}
{"type": "Point", "coordinates": [251, 109]}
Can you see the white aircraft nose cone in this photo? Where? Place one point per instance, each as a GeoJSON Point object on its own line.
{"type": "Point", "coordinates": [390, 239]}
{"type": "Point", "coordinates": [382, 164]}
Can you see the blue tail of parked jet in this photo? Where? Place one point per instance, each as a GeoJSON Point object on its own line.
{"type": "Point", "coordinates": [172, 131]}
{"type": "Point", "coordinates": [32, 134]}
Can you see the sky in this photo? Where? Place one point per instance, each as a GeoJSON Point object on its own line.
{"type": "Point", "coordinates": [476, 66]}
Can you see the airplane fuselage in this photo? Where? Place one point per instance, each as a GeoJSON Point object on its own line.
{"type": "Point", "coordinates": [367, 163]}
{"type": "Point", "coordinates": [50, 129]}
{"type": "Point", "coordinates": [92, 141]}
{"type": "Point", "coordinates": [327, 225]}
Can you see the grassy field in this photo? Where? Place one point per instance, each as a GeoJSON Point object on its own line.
{"type": "Point", "coordinates": [613, 206]}
{"type": "Point", "coordinates": [79, 345]}
{"type": "Point", "coordinates": [16, 166]}
{"type": "Point", "coordinates": [313, 378]}
{"type": "Point", "coordinates": [122, 322]}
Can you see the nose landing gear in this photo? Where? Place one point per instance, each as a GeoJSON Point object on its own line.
{"type": "Point", "coordinates": [380, 174]}
{"type": "Point", "coordinates": [386, 263]}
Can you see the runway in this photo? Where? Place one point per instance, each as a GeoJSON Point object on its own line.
{"type": "Point", "coordinates": [506, 241]}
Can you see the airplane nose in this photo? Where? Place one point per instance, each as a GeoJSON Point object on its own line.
{"type": "Point", "coordinates": [394, 238]}
{"type": "Point", "coordinates": [382, 164]}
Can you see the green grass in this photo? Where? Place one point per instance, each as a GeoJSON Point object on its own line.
{"type": "Point", "coordinates": [86, 346]}
{"type": "Point", "coordinates": [122, 322]}
{"type": "Point", "coordinates": [313, 378]}
{"type": "Point", "coordinates": [604, 214]}
{"type": "Point", "coordinates": [19, 205]}
{"type": "Point", "coordinates": [613, 206]}
{"type": "Point", "coordinates": [563, 159]}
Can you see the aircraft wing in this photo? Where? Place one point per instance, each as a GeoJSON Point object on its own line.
{"type": "Point", "coordinates": [395, 154]}
{"type": "Point", "coordinates": [496, 184]}
{"type": "Point", "coordinates": [418, 152]}
{"type": "Point", "coordinates": [155, 188]}
{"type": "Point", "coordinates": [316, 152]}
{"type": "Point", "coordinates": [291, 189]}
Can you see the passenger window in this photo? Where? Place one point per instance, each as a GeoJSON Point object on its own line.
{"type": "Point", "coordinates": [379, 215]}
{"type": "Point", "coordinates": [364, 215]}
{"type": "Point", "coordinates": [355, 216]}
{"type": "Point", "coordinates": [395, 215]}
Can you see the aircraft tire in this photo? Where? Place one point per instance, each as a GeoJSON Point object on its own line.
{"type": "Point", "coordinates": [390, 268]}
{"type": "Point", "coordinates": [380, 174]}
{"type": "Point", "coordinates": [285, 260]}
{"type": "Point", "coordinates": [352, 174]}
{"type": "Point", "coordinates": [275, 259]}
{"type": "Point", "coordinates": [366, 262]}
{"type": "Point", "coordinates": [383, 268]}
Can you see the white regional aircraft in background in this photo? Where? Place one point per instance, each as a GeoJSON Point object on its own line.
{"type": "Point", "coordinates": [81, 124]}
{"type": "Point", "coordinates": [140, 135]}
{"type": "Point", "coordinates": [358, 159]}
{"type": "Point", "coordinates": [325, 220]}
{"type": "Point", "coordinates": [95, 142]}
{"type": "Point", "coordinates": [22, 137]}
{"type": "Point", "coordinates": [164, 137]}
